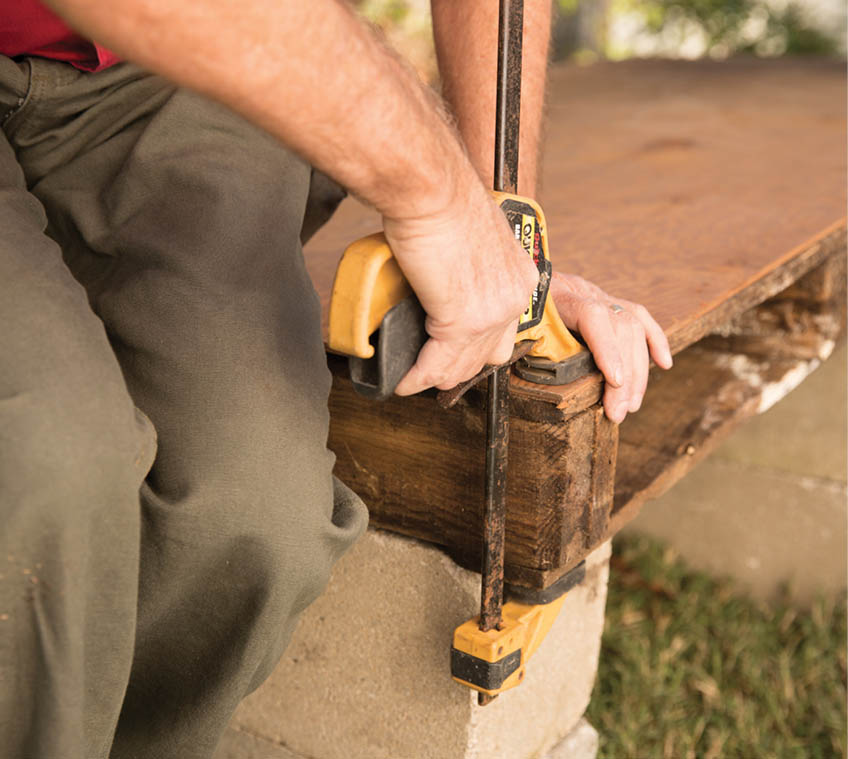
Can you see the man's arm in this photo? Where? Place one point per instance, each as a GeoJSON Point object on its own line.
{"type": "Point", "coordinates": [621, 335]}
{"type": "Point", "coordinates": [315, 77]}
{"type": "Point", "coordinates": [466, 36]}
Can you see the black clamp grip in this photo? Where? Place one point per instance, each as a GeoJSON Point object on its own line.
{"type": "Point", "coordinates": [396, 345]}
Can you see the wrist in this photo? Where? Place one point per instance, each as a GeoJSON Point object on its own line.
{"type": "Point", "coordinates": [439, 186]}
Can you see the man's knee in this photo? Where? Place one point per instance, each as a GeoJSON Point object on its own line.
{"type": "Point", "coordinates": [64, 455]}
{"type": "Point", "coordinates": [291, 565]}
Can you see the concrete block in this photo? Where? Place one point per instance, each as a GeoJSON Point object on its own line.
{"type": "Point", "coordinates": [580, 743]}
{"type": "Point", "coordinates": [367, 673]}
{"type": "Point", "coordinates": [240, 745]}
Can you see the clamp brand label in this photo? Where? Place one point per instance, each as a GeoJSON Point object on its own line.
{"type": "Point", "coordinates": [529, 232]}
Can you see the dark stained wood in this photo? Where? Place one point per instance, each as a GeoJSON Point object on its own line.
{"type": "Point", "coordinates": [420, 470]}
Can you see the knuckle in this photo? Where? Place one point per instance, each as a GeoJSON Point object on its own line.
{"type": "Point", "coordinates": [500, 356]}
{"type": "Point", "coordinates": [447, 381]}
{"type": "Point", "coordinates": [593, 309]}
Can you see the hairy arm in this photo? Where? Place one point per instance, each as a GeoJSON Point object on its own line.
{"type": "Point", "coordinates": [314, 76]}
{"type": "Point", "coordinates": [466, 37]}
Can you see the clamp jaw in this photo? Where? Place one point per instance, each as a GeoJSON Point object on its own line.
{"type": "Point", "coordinates": [493, 661]}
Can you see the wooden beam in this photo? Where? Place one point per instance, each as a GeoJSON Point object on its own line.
{"type": "Point", "coordinates": [420, 469]}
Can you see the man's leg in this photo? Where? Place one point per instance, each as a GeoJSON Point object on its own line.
{"type": "Point", "coordinates": [188, 245]}
{"type": "Point", "coordinates": [73, 454]}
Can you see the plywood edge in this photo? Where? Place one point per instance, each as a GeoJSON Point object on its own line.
{"type": "Point", "coordinates": [761, 286]}
{"type": "Point", "coordinates": [575, 397]}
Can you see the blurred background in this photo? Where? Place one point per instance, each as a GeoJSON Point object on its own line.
{"type": "Point", "coordinates": [590, 30]}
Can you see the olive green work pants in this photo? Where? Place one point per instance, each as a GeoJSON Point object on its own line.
{"type": "Point", "coordinates": [166, 500]}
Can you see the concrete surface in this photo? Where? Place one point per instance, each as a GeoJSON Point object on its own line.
{"type": "Point", "coordinates": [580, 743]}
{"type": "Point", "coordinates": [769, 506]}
{"type": "Point", "coordinates": [367, 673]}
{"type": "Point", "coordinates": [236, 744]}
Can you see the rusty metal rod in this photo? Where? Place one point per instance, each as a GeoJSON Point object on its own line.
{"type": "Point", "coordinates": [507, 116]}
{"type": "Point", "coordinates": [507, 121]}
{"type": "Point", "coordinates": [494, 516]}
{"type": "Point", "coordinates": [508, 105]}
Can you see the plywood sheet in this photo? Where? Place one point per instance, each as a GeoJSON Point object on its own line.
{"type": "Point", "coordinates": [686, 186]}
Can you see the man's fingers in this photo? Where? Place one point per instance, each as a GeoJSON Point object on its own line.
{"type": "Point", "coordinates": [503, 351]}
{"type": "Point", "coordinates": [594, 323]}
{"type": "Point", "coordinates": [622, 335]}
{"type": "Point", "coordinates": [444, 366]}
{"type": "Point", "coordinates": [427, 371]}
{"type": "Point", "coordinates": [630, 337]}
{"type": "Point", "coordinates": [641, 366]}
{"type": "Point", "coordinates": [412, 382]}
{"type": "Point", "coordinates": [617, 400]}
{"type": "Point", "coordinates": [657, 341]}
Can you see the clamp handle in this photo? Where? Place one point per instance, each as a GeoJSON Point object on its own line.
{"type": "Point", "coordinates": [369, 286]}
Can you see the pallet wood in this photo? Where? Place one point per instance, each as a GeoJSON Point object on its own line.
{"type": "Point", "coordinates": [700, 190]}
{"type": "Point", "coordinates": [420, 469]}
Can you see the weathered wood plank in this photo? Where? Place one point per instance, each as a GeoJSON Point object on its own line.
{"type": "Point", "coordinates": [420, 468]}
{"type": "Point", "coordinates": [697, 188]}
{"type": "Point", "coordinates": [724, 379]}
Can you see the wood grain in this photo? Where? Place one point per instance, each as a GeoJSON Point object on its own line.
{"type": "Point", "coordinates": [420, 469]}
{"type": "Point", "coordinates": [571, 482]}
{"type": "Point", "coordinates": [723, 380]}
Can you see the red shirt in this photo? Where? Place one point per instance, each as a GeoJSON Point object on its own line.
{"type": "Point", "coordinates": [29, 28]}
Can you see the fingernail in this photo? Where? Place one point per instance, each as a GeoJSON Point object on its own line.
{"type": "Point", "coordinates": [618, 376]}
{"type": "Point", "coordinates": [619, 412]}
{"type": "Point", "coordinates": [668, 360]}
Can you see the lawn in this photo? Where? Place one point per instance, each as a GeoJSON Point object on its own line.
{"type": "Point", "coordinates": [691, 667]}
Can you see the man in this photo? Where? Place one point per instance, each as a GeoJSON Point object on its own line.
{"type": "Point", "coordinates": [166, 497]}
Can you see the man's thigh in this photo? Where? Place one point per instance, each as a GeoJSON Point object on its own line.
{"type": "Point", "coordinates": [73, 454]}
{"type": "Point", "coordinates": [185, 232]}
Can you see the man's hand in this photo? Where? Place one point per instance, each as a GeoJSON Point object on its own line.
{"type": "Point", "coordinates": [473, 280]}
{"type": "Point", "coordinates": [622, 336]}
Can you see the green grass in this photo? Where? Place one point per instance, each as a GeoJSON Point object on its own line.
{"type": "Point", "coordinates": [691, 667]}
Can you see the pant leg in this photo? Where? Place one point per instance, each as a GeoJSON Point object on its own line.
{"type": "Point", "coordinates": [73, 454]}
{"type": "Point", "coordinates": [185, 232]}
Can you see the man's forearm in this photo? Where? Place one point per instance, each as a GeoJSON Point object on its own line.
{"type": "Point", "coordinates": [466, 34]}
{"type": "Point", "coordinates": [309, 73]}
